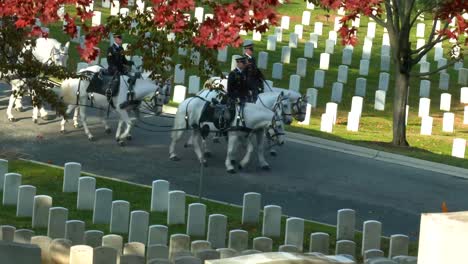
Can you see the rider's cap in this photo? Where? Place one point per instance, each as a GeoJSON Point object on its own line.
{"type": "Point", "coordinates": [118, 36]}
{"type": "Point", "coordinates": [248, 44]}
{"type": "Point", "coordinates": [239, 58]}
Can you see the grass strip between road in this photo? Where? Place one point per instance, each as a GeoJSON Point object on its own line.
{"type": "Point", "coordinates": [49, 179]}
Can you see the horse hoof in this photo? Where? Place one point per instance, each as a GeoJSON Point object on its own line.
{"type": "Point", "coordinates": [121, 143]}
{"type": "Point", "coordinates": [216, 140]}
{"type": "Point", "coordinates": [273, 153]}
{"type": "Point", "coordinates": [174, 158]}
{"type": "Point", "coordinates": [76, 125]}
{"type": "Point", "coordinates": [266, 167]}
{"type": "Point", "coordinates": [90, 138]}
{"type": "Point", "coordinates": [231, 171]}
{"type": "Point", "coordinates": [19, 109]}
{"type": "Point", "coordinates": [35, 120]}
{"type": "Point", "coordinates": [12, 119]}
{"type": "Point", "coordinates": [108, 131]}
{"type": "Point", "coordinates": [208, 155]}
{"type": "Point", "coordinates": [62, 131]}
{"type": "Point", "coordinates": [129, 138]}
{"type": "Point", "coordinates": [47, 117]}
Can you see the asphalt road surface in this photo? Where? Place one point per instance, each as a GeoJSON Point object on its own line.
{"type": "Point", "coordinates": [306, 181]}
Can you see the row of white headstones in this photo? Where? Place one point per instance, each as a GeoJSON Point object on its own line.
{"type": "Point", "coordinates": [141, 234]}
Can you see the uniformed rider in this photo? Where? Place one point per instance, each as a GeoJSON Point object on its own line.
{"type": "Point", "coordinates": [237, 90]}
{"type": "Point", "coordinates": [254, 75]}
{"type": "Point", "coordinates": [118, 64]}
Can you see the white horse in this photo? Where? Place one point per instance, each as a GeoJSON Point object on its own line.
{"type": "Point", "coordinates": [73, 94]}
{"type": "Point", "coordinates": [46, 51]}
{"type": "Point", "coordinates": [257, 120]}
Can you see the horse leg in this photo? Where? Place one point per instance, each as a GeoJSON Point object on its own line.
{"type": "Point", "coordinates": [176, 135]}
{"type": "Point", "coordinates": [233, 139]}
{"type": "Point", "coordinates": [207, 151]}
{"type": "Point", "coordinates": [118, 130]}
{"type": "Point", "coordinates": [43, 112]}
{"type": "Point", "coordinates": [70, 108]}
{"type": "Point", "coordinates": [19, 104]}
{"type": "Point", "coordinates": [248, 155]}
{"type": "Point", "coordinates": [104, 122]}
{"type": "Point", "coordinates": [76, 116]}
{"type": "Point", "coordinates": [126, 119]}
{"type": "Point", "coordinates": [260, 135]}
{"type": "Point", "coordinates": [272, 149]}
{"type": "Point", "coordinates": [83, 121]}
{"type": "Point", "coordinates": [197, 147]}
{"type": "Point", "coordinates": [11, 103]}
{"type": "Point", "coordinates": [35, 115]}
{"type": "Point", "coordinates": [189, 142]}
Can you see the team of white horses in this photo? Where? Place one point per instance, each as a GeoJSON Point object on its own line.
{"type": "Point", "coordinates": [258, 124]}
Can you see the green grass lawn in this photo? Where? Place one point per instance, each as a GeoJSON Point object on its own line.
{"type": "Point", "coordinates": [48, 181]}
{"type": "Point", "coordinates": [375, 126]}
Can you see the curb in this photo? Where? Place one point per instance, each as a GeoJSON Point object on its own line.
{"type": "Point", "coordinates": [366, 152]}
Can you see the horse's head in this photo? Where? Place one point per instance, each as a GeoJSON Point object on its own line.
{"type": "Point", "coordinates": [275, 132]}
{"type": "Point", "coordinates": [162, 95]}
{"type": "Point", "coordinates": [59, 54]}
{"type": "Point", "coordinates": [282, 108]}
{"type": "Point", "coordinates": [299, 108]}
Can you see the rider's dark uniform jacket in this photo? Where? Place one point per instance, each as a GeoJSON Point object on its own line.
{"type": "Point", "coordinates": [254, 76]}
{"type": "Point", "coordinates": [116, 59]}
{"type": "Point", "coordinates": [236, 86]}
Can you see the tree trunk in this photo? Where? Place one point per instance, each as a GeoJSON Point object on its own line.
{"type": "Point", "coordinates": [399, 107]}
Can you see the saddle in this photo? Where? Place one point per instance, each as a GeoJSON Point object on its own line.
{"type": "Point", "coordinates": [102, 83]}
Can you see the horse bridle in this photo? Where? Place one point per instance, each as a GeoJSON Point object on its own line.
{"type": "Point", "coordinates": [297, 105]}
{"type": "Point", "coordinates": [273, 126]}
{"type": "Point", "coordinates": [167, 93]}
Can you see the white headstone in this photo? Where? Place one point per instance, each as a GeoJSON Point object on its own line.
{"type": "Point", "coordinates": [293, 40]}
{"type": "Point", "coordinates": [343, 73]}
{"type": "Point", "coordinates": [238, 240]}
{"type": "Point", "coordinates": [285, 54]}
{"type": "Point", "coordinates": [441, 63]}
{"type": "Point", "coordinates": [158, 234]}
{"type": "Point", "coordinates": [312, 95]}
{"type": "Point", "coordinates": [371, 235]}
{"type": "Point", "coordinates": [179, 93]}
{"type": "Point", "coordinates": [86, 193]}
{"type": "Point", "coordinates": [279, 34]}
{"type": "Point", "coordinates": [309, 50]}
{"type": "Point", "coordinates": [384, 79]}
{"type": "Point", "coordinates": [113, 241]}
{"type": "Point", "coordinates": [271, 43]}
{"type": "Point", "coordinates": [42, 204]}
{"type": "Point", "coordinates": [138, 230]}
{"type": "Point", "coordinates": [58, 217]}
{"type": "Point", "coordinates": [347, 56]}
{"type": "Point", "coordinates": [333, 35]}
{"type": "Point", "coordinates": [326, 123]}
{"type": "Point", "coordinates": [463, 76]}
{"type": "Point", "coordinates": [346, 221]}
{"type": "Point", "coordinates": [295, 82]}
{"type": "Point", "coordinates": [364, 67]}
{"type": "Point", "coordinates": [120, 214]}
{"type": "Point", "coordinates": [298, 29]}
{"type": "Point", "coordinates": [81, 254]}
{"type": "Point", "coordinates": [367, 51]}
{"type": "Point", "coordinates": [398, 246]}
{"type": "Point", "coordinates": [448, 122]}
{"type": "Point", "coordinates": [438, 53]}
{"type": "Point", "coordinates": [256, 36]}
{"type": "Point", "coordinates": [445, 101]}
{"type": "Point", "coordinates": [380, 100]}
{"type": "Point", "coordinates": [307, 115]}
{"type": "Point", "coordinates": [356, 105]}
{"type": "Point", "coordinates": [93, 238]}
{"type": "Point", "coordinates": [324, 61]}
{"type": "Point", "coordinates": [25, 201]}
{"type": "Point", "coordinates": [263, 244]}
{"type": "Point", "coordinates": [277, 71]}
{"type": "Point", "coordinates": [222, 54]}
{"type": "Point", "coordinates": [102, 206]}
{"type": "Point", "coordinates": [319, 79]}
{"type": "Point", "coordinates": [3, 171]}
{"type": "Point", "coordinates": [356, 22]}
{"type": "Point", "coordinates": [385, 39]}
{"type": "Point", "coordinates": [458, 147]}
{"type": "Point", "coordinates": [371, 29]}
{"type": "Point", "coordinates": [337, 92]}
{"type": "Point", "coordinates": [159, 195]}
{"type": "Point", "coordinates": [331, 109]}
{"type": "Point", "coordinates": [420, 28]}
{"type": "Point", "coordinates": [361, 84]}
{"type": "Point", "coordinates": [294, 234]}
{"type": "Point", "coordinates": [385, 63]}
{"type": "Point", "coordinates": [310, 5]}
{"type": "Point", "coordinates": [251, 208]}
{"type": "Point", "coordinates": [318, 27]}
{"type": "Point", "coordinates": [285, 22]}
{"type": "Point", "coordinates": [330, 46]}
{"type": "Point", "coordinates": [306, 18]}
{"type": "Point", "coordinates": [71, 176]}
{"type": "Point", "coordinates": [199, 14]}
{"type": "Point", "coordinates": [96, 20]}
{"type": "Point", "coordinates": [424, 107]}
{"type": "Point", "coordinates": [301, 68]}
{"type": "Point", "coordinates": [74, 231]}
{"type": "Point", "coordinates": [179, 74]}
{"type": "Point", "coordinates": [385, 50]}
{"type": "Point", "coordinates": [216, 234]}
{"type": "Point", "coordinates": [425, 88]}
{"type": "Point", "coordinates": [464, 95]}
{"type": "Point", "coordinates": [176, 208]}
{"type": "Point", "coordinates": [114, 8]}
{"type": "Point", "coordinates": [262, 60]}
{"type": "Point", "coordinates": [271, 221]}
{"type": "Point", "coordinates": [196, 225]}
{"type": "Point", "coordinates": [458, 65]}
{"type": "Point", "coordinates": [194, 84]}
{"type": "Point", "coordinates": [319, 243]}
{"type": "Point", "coordinates": [353, 121]}
{"type": "Point", "coordinates": [425, 67]}
{"type": "Point", "coordinates": [179, 245]}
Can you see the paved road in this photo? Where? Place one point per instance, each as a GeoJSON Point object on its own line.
{"type": "Point", "coordinates": [306, 181]}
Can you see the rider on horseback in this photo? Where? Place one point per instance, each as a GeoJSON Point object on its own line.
{"type": "Point", "coordinates": [255, 77]}
{"type": "Point", "coordinates": [237, 90]}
